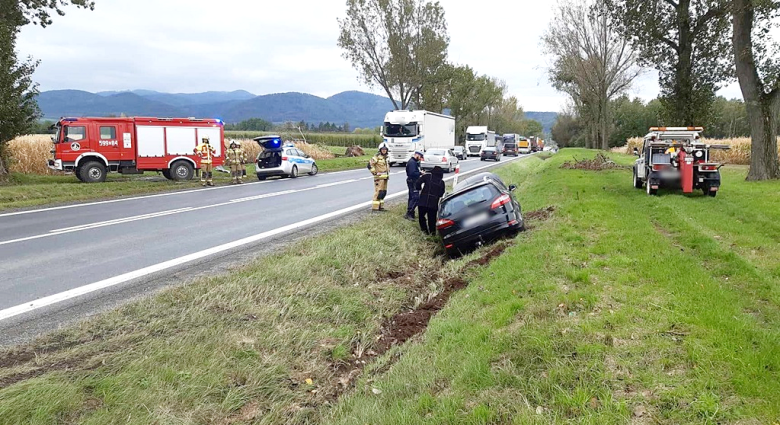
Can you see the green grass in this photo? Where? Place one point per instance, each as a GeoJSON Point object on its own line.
{"type": "Point", "coordinates": [621, 308]}
{"type": "Point", "coordinates": [239, 345]}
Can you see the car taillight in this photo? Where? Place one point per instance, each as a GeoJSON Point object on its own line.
{"type": "Point", "coordinates": [708, 167]}
{"type": "Point", "coordinates": [444, 159]}
{"type": "Point", "coordinates": [284, 158]}
{"type": "Point", "coordinates": [444, 223]}
{"type": "Point", "coordinates": [501, 200]}
{"type": "Point", "coordinates": [659, 167]}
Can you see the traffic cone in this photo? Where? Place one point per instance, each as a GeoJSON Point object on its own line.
{"type": "Point", "coordinates": [455, 180]}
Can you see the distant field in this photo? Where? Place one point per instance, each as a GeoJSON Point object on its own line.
{"type": "Point", "coordinates": [739, 154]}
{"type": "Point", "coordinates": [330, 139]}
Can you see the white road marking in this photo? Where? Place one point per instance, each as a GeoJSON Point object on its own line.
{"type": "Point", "coordinates": [116, 280]}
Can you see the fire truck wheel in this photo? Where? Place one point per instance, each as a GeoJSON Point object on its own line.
{"type": "Point", "coordinates": [294, 172]}
{"type": "Point", "coordinates": [166, 173]}
{"type": "Point", "coordinates": [181, 170]}
{"type": "Point", "coordinates": [77, 172]}
{"type": "Point", "coordinates": [93, 172]}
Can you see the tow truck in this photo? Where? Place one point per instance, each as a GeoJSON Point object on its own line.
{"type": "Point", "coordinates": [677, 158]}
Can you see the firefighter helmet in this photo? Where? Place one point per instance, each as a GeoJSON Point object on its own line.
{"type": "Point", "coordinates": [206, 139]}
{"type": "Point", "coordinates": [238, 143]}
{"type": "Point", "coordinates": [232, 143]}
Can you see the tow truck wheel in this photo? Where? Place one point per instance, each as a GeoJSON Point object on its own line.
{"type": "Point", "coordinates": [181, 170]}
{"type": "Point", "coordinates": [294, 172]}
{"type": "Point", "coordinates": [651, 192]}
{"type": "Point", "coordinates": [93, 172]}
{"type": "Point", "coordinates": [637, 181]}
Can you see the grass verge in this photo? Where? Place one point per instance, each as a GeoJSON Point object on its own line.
{"type": "Point", "coordinates": [273, 342]}
{"type": "Point", "coordinates": [621, 308]}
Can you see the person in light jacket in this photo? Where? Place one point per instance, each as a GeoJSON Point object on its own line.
{"type": "Point", "coordinates": [431, 187]}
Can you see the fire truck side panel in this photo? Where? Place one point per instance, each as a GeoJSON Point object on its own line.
{"type": "Point", "coordinates": [181, 140]}
{"type": "Point", "coordinates": [216, 136]}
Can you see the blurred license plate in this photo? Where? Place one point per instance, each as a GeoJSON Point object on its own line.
{"type": "Point", "coordinates": [471, 221]}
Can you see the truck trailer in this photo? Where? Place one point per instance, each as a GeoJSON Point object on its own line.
{"type": "Point", "coordinates": [92, 147]}
{"type": "Point", "coordinates": [405, 132]}
{"type": "Point", "coordinates": [477, 138]}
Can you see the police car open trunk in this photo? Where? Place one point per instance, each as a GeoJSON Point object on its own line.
{"type": "Point", "coordinates": [271, 156]}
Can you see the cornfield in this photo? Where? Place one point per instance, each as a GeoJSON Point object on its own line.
{"type": "Point", "coordinates": [30, 153]}
{"type": "Point", "coordinates": [738, 154]}
{"type": "Point", "coordinates": [327, 139]}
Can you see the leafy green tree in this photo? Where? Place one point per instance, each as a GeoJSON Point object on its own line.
{"type": "Point", "coordinates": [758, 72]}
{"type": "Point", "coordinates": [687, 42]}
{"type": "Point", "coordinates": [632, 118]}
{"type": "Point", "coordinates": [567, 131]}
{"type": "Point", "coordinates": [18, 109]}
{"type": "Point", "coordinates": [252, 124]}
{"type": "Point", "coordinates": [398, 45]}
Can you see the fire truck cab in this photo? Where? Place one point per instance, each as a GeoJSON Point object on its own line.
{"type": "Point", "coordinates": [92, 147]}
{"type": "Point", "coordinates": [677, 158]}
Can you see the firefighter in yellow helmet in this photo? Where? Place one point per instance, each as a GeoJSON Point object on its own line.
{"type": "Point", "coordinates": [235, 159]}
{"type": "Point", "coordinates": [380, 168]}
{"type": "Point", "coordinates": [206, 153]}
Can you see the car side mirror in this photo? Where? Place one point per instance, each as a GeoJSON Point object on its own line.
{"type": "Point", "coordinates": [512, 188]}
{"type": "Point", "coordinates": [636, 152]}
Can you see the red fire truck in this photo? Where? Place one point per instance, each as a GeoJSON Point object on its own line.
{"type": "Point", "coordinates": [92, 147]}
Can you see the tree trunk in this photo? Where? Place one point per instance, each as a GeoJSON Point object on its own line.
{"type": "Point", "coordinates": [762, 107]}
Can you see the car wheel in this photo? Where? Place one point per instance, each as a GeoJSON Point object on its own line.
{"type": "Point", "coordinates": [314, 170]}
{"type": "Point", "coordinates": [637, 181]}
{"type": "Point", "coordinates": [712, 193]}
{"type": "Point", "coordinates": [93, 172]}
{"type": "Point", "coordinates": [181, 171]}
{"type": "Point", "coordinates": [294, 172]}
{"type": "Point", "coordinates": [261, 178]}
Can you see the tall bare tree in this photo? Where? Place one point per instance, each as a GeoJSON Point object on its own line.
{"type": "Point", "coordinates": [759, 78]}
{"type": "Point", "coordinates": [687, 42]}
{"type": "Point", "coordinates": [592, 63]}
{"type": "Point", "coordinates": [399, 45]}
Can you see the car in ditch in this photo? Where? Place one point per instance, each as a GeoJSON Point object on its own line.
{"type": "Point", "coordinates": [444, 158]}
{"type": "Point", "coordinates": [282, 159]}
{"type": "Point", "coordinates": [480, 209]}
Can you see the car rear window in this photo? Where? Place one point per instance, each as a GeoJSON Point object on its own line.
{"type": "Point", "coordinates": [437, 152]}
{"type": "Point", "coordinates": [477, 196]}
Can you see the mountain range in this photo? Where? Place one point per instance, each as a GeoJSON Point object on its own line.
{"type": "Point", "coordinates": [356, 108]}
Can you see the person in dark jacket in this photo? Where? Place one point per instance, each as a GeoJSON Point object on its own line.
{"type": "Point", "coordinates": [412, 175]}
{"type": "Point", "coordinates": [431, 187]}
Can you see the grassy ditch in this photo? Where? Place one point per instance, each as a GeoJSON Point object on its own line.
{"type": "Point", "coordinates": [619, 308]}
{"type": "Point", "coordinates": [276, 341]}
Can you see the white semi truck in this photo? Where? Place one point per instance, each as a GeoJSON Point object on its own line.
{"type": "Point", "coordinates": [477, 138]}
{"type": "Point", "coordinates": [405, 132]}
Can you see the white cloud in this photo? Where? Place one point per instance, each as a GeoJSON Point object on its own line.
{"type": "Point", "coordinates": [270, 47]}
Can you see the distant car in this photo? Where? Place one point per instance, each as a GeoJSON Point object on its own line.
{"type": "Point", "coordinates": [444, 158]}
{"type": "Point", "coordinates": [460, 153]}
{"type": "Point", "coordinates": [281, 160]}
{"type": "Point", "coordinates": [490, 152]}
{"type": "Point", "coordinates": [480, 209]}
{"type": "Point", "coordinates": [510, 148]}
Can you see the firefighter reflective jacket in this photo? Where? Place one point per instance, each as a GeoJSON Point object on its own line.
{"type": "Point", "coordinates": [235, 156]}
{"type": "Point", "coordinates": [206, 153]}
{"type": "Point", "coordinates": [379, 167]}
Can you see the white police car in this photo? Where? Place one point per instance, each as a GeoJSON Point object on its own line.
{"type": "Point", "coordinates": [285, 160]}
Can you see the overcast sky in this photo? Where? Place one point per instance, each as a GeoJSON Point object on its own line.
{"type": "Point", "coordinates": [267, 47]}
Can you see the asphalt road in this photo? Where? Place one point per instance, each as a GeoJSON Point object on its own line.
{"type": "Point", "coordinates": [54, 259]}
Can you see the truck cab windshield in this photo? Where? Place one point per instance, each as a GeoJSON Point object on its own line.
{"type": "Point", "coordinates": [475, 137]}
{"type": "Point", "coordinates": [398, 130]}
